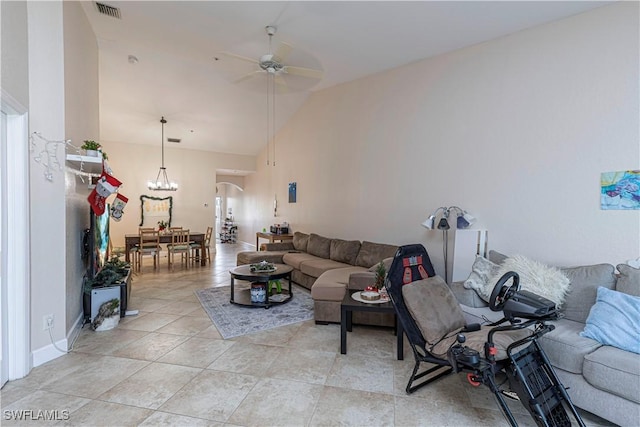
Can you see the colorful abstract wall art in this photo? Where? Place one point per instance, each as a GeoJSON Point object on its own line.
{"type": "Point", "coordinates": [620, 190]}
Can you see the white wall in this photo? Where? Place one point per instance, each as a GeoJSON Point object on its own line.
{"type": "Point", "coordinates": [47, 218]}
{"type": "Point", "coordinates": [516, 130]}
{"type": "Point", "coordinates": [82, 122]}
{"type": "Point", "coordinates": [14, 65]}
{"type": "Point", "coordinates": [193, 170]}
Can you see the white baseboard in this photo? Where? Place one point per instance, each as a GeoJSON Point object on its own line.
{"type": "Point", "coordinates": [49, 352]}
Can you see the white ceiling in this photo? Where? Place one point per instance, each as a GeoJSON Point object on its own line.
{"type": "Point", "coordinates": [176, 75]}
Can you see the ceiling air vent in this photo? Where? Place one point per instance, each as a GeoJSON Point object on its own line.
{"type": "Point", "coordinates": [175, 140]}
{"type": "Point", "coordinates": [111, 11]}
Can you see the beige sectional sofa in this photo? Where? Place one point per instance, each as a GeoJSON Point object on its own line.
{"type": "Point", "coordinates": [328, 267]}
{"type": "Point", "coordinates": [602, 379]}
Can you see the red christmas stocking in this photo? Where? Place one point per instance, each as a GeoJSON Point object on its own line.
{"type": "Point", "coordinates": [105, 186]}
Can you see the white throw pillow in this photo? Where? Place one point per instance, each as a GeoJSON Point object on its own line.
{"type": "Point", "coordinates": [481, 271]}
{"type": "Point", "coordinates": [536, 277]}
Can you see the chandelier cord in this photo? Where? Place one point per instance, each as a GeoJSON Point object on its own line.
{"type": "Point", "coordinates": [273, 118]}
{"type": "Point", "coordinates": [163, 121]}
{"type": "Point", "coordinates": [268, 115]}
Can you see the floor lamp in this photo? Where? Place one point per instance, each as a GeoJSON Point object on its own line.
{"type": "Point", "coordinates": [463, 220]}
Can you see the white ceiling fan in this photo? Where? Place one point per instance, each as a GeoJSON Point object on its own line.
{"type": "Point", "coordinates": [287, 78]}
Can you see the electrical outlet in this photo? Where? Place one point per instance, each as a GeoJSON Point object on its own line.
{"type": "Point", "coordinates": [47, 322]}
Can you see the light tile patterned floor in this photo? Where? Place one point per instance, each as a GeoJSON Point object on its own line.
{"type": "Point", "coordinates": [169, 366]}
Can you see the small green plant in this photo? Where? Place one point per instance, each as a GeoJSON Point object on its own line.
{"type": "Point", "coordinates": [381, 273]}
{"type": "Point", "coordinates": [112, 273]}
{"type": "Point", "coordinates": [104, 155]}
{"type": "Point", "coordinates": [90, 145]}
{"type": "Point", "coordinates": [162, 225]}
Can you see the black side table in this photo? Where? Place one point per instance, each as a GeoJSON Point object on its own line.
{"type": "Point", "coordinates": [349, 305]}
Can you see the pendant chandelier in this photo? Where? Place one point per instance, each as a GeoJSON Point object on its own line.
{"type": "Point", "coordinates": [162, 182]}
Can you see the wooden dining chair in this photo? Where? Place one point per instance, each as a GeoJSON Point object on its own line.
{"type": "Point", "coordinates": [115, 251]}
{"type": "Point", "coordinates": [180, 241]}
{"type": "Point", "coordinates": [149, 246]}
{"type": "Point", "coordinates": [196, 248]}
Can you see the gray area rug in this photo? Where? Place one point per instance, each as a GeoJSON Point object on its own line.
{"type": "Point", "coordinates": [233, 321]}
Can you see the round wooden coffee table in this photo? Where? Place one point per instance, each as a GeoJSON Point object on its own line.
{"type": "Point", "coordinates": [243, 296]}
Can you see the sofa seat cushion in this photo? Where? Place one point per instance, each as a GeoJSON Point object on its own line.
{"type": "Point", "coordinates": [566, 348]}
{"type": "Point", "coordinates": [294, 259]}
{"type": "Point", "coordinates": [481, 315]}
{"type": "Point", "coordinates": [615, 371]}
{"type": "Point", "coordinates": [316, 267]}
{"type": "Point", "coordinates": [331, 285]}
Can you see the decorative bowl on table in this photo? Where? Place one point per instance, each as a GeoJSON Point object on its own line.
{"type": "Point", "coordinates": [370, 295]}
{"type": "Point", "coordinates": [263, 267]}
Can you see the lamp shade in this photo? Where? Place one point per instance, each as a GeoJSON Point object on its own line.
{"type": "Point", "coordinates": [429, 222]}
{"type": "Point", "coordinates": [443, 224]}
{"type": "Point", "coordinates": [469, 218]}
{"type": "Point", "coordinates": [462, 222]}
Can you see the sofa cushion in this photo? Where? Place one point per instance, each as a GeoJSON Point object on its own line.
{"type": "Point", "coordinates": [385, 262]}
{"type": "Point", "coordinates": [295, 259]}
{"type": "Point", "coordinates": [482, 271]}
{"type": "Point", "coordinates": [344, 250]}
{"type": "Point", "coordinates": [584, 285]}
{"type": "Point", "coordinates": [253, 257]}
{"type": "Point", "coordinates": [319, 246]}
{"type": "Point", "coordinates": [615, 320]}
{"type": "Point", "coordinates": [615, 371]}
{"type": "Point", "coordinates": [565, 347]}
{"type": "Point", "coordinates": [315, 267]}
{"type": "Point", "coordinates": [372, 253]}
{"type": "Point", "coordinates": [477, 313]}
{"type": "Point", "coordinates": [536, 277]}
{"type": "Point", "coordinates": [300, 241]}
{"type": "Point", "coordinates": [331, 285]}
{"type": "Point", "coordinates": [629, 280]}
{"type": "Point", "coordinates": [497, 257]}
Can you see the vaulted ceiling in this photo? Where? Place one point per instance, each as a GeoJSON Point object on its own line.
{"type": "Point", "coordinates": [167, 58]}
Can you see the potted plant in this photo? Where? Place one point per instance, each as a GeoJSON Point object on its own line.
{"type": "Point", "coordinates": [373, 292]}
{"type": "Point", "coordinates": [91, 147]}
{"type": "Point", "coordinates": [112, 273]}
{"type": "Point", "coordinates": [162, 225]}
{"type": "Point", "coordinates": [381, 273]}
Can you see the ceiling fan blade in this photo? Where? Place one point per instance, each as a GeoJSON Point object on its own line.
{"type": "Point", "coordinates": [240, 57]}
{"type": "Point", "coordinates": [281, 84]}
{"type": "Point", "coordinates": [248, 76]}
{"type": "Point", "coordinates": [283, 51]}
{"type": "Point", "coordinates": [304, 72]}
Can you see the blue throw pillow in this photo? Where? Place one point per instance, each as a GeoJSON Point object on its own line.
{"type": "Point", "coordinates": [615, 320]}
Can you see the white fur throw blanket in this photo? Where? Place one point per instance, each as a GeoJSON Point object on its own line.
{"type": "Point", "coordinates": [536, 277]}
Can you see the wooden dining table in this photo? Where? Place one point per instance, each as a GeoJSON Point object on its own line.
{"type": "Point", "coordinates": [131, 240]}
